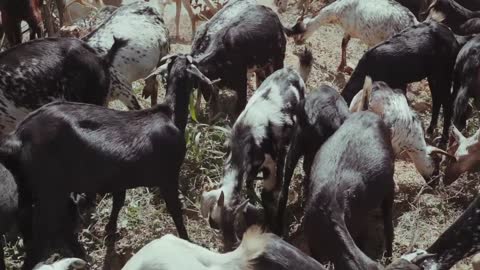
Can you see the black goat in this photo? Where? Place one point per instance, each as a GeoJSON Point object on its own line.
{"type": "Point", "coordinates": [321, 113]}
{"type": "Point", "coordinates": [460, 240]}
{"type": "Point", "coordinates": [109, 157]}
{"type": "Point", "coordinates": [351, 174]}
{"type": "Point", "coordinates": [8, 206]}
{"type": "Point", "coordinates": [466, 81]}
{"type": "Point", "coordinates": [38, 72]}
{"type": "Point", "coordinates": [426, 50]}
{"type": "Point", "coordinates": [241, 36]}
{"type": "Point", "coordinates": [461, 20]}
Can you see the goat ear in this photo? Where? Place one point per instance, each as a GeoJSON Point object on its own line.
{"type": "Point", "coordinates": [432, 150]}
{"type": "Point", "coordinates": [167, 57]}
{"type": "Point", "coordinates": [161, 70]}
{"type": "Point", "coordinates": [221, 200]}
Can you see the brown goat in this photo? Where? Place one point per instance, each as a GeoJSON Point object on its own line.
{"type": "Point", "coordinates": [14, 12]}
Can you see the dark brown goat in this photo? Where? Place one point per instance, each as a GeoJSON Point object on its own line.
{"type": "Point", "coordinates": [14, 12]}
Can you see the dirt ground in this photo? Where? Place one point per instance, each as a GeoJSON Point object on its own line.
{"type": "Point", "coordinates": [421, 214]}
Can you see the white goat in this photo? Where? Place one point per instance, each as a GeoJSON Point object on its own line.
{"type": "Point", "coordinates": [407, 131]}
{"type": "Point", "coordinates": [148, 41]}
{"type": "Point", "coordinates": [63, 264]}
{"type": "Point", "coordinates": [258, 250]}
{"type": "Point", "coordinates": [371, 21]}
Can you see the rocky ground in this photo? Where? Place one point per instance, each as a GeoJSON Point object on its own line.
{"type": "Point", "coordinates": [421, 214]}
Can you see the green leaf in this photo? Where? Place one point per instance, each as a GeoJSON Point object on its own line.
{"type": "Point", "coordinates": [191, 107]}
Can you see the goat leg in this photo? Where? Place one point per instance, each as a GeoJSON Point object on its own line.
{"type": "Point", "coordinates": [343, 62]}
{"type": "Point", "coordinates": [170, 194]}
{"type": "Point", "coordinates": [191, 14]}
{"type": "Point", "coordinates": [151, 90]}
{"type": "Point", "coordinates": [111, 228]}
{"type": "Point", "coordinates": [387, 206]}
{"type": "Point", "coordinates": [178, 12]}
{"type": "Point", "coordinates": [436, 104]}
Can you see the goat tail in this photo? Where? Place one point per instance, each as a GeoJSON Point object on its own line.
{"type": "Point", "coordinates": [118, 43]}
{"type": "Point", "coordinates": [367, 91]}
{"type": "Point", "coordinates": [305, 59]}
{"type": "Point", "coordinates": [10, 148]}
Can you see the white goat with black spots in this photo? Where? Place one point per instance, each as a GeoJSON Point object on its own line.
{"type": "Point", "coordinates": [141, 23]}
{"type": "Point", "coordinates": [63, 264]}
{"type": "Point", "coordinates": [258, 143]}
{"type": "Point", "coordinates": [371, 21]}
{"type": "Point", "coordinates": [405, 126]}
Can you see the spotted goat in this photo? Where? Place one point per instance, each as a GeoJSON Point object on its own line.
{"type": "Point", "coordinates": [405, 126]}
{"type": "Point", "coordinates": [258, 143]}
{"type": "Point", "coordinates": [372, 22]}
{"type": "Point", "coordinates": [143, 52]}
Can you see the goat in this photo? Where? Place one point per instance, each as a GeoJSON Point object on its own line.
{"type": "Point", "coordinates": [14, 12]}
{"type": "Point", "coordinates": [63, 264]}
{"type": "Point", "coordinates": [466, 81]}
{"type": "Point", "coordinates": [351, 174]}
{"type": "Point", "coordinates": [466, 152]}
{"type": "Point", "coordinates": [258, 142]}
{"type": "Point", "coordinates": [461, 20]}
{"type": "Point", "coordinates": [318, 117]}
{"type": "Point", "coordinates": [258, 251]}
{"type": "Point", "coordinates": [144, 50]}
{"type": "Point", "coordinates": [8, 206]}
{"type": "Point", "coordinates": [427, 50]}
{"type": "Point", "coordinates": [371, 21]}
{"type": "Point", "coordinates": [405, 126]}
{"type": "Point", "coordinates": [38, 72]}
{"type": "Point", "coordinates": [114, 158]}
{"type": "Point", "coordinates": [460, 240]}
{"type": "Point", "coordinates": [239, 37]}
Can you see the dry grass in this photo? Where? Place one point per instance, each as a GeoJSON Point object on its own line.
{"type": "Point", "coordinates": [421, 214]}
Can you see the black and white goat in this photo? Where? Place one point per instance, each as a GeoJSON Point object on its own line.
{"type": "Point", "coordinates": [144, 50]}
{"type": "Point", "coordinates": [372, 22]}
{"type": "Point", "coordinates": [241, 36]}
{"type": "Point", "coordinates": [318, 117]}
{"type": "Point", "coordinates": [466, 81]}
{"type": "Point", "coordinates": [426, 50]}
{"type": "Point", "coordinates": [460, 240]}
{"type": "Point", "coordinates": [258, 143]}
{"type": "Point", "coordinates": [462, 21]}
{"type": "Point", "coordinates": [351, 174]}
{"type": "Point", "coordinates": [258, 251]}
{"type": "Point", "coordinates": [8, 206]}
{"type": "Point", "coordinates": [147, 152]}
{"type": "Point", "coordinates": [405, 126]}
{"type": "Point", "coordinates": [41, 71]}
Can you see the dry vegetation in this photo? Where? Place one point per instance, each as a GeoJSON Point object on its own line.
{"type": "Point", "coordinates": [421, 214]}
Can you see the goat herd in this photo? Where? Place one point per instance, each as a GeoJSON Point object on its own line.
{"type": "Point", "coordinates": [59, 140]}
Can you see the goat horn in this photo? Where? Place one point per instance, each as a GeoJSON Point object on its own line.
{"type": "Point", "coordinates": [190, 59]}
{"type": "Point", "coordinates": [435, 150]}
{"type": "Point", "coordinates": [169, 56]}
{"type": "Point", "coordinates": [192, 69]}
{"type": "Point", "coordinates": [160, 70]}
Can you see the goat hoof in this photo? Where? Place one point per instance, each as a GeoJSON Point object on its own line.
{"type": "Point", "coordinates": [345, 69]}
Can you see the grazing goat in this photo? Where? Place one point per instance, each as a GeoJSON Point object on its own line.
{"type": "Point", "coordinates": [8, 206]}
{"type": "Point", "coordinates": [144, 50]}
{"type": "Point", "coordinates": [466, 152]}
{"type": "Point", "coordinates": [63, 264]}
{"type": "Point", "coordinates": [258, 143]}
{"type": "Point", "coordinates": [461, 20]}
{"type": "Point", "coordinates": [427, 50]}
{"type": "Point", "coordinates": [460, 240]}
{"type": "Point", "coordinates": [371, 21]}
{"type": "Point", "coordinates": [14, 12]}
{"type": "Point", "coordinates": [318, 117]}
{"type": "Point", "coordinates": [351, 174]}
{"type": "Point", "coordinates": [41, 71]}
{"type": "Point", "coordinates": [466, 81]}
{"type": "Point", "coordinates": [148, 152]}
{"type": "Point", "coordinates": [258, 251]}
{"type": "Point", "coordinates": [405, 126]}
{"type": "Point", "coordinates": [239, 37]}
